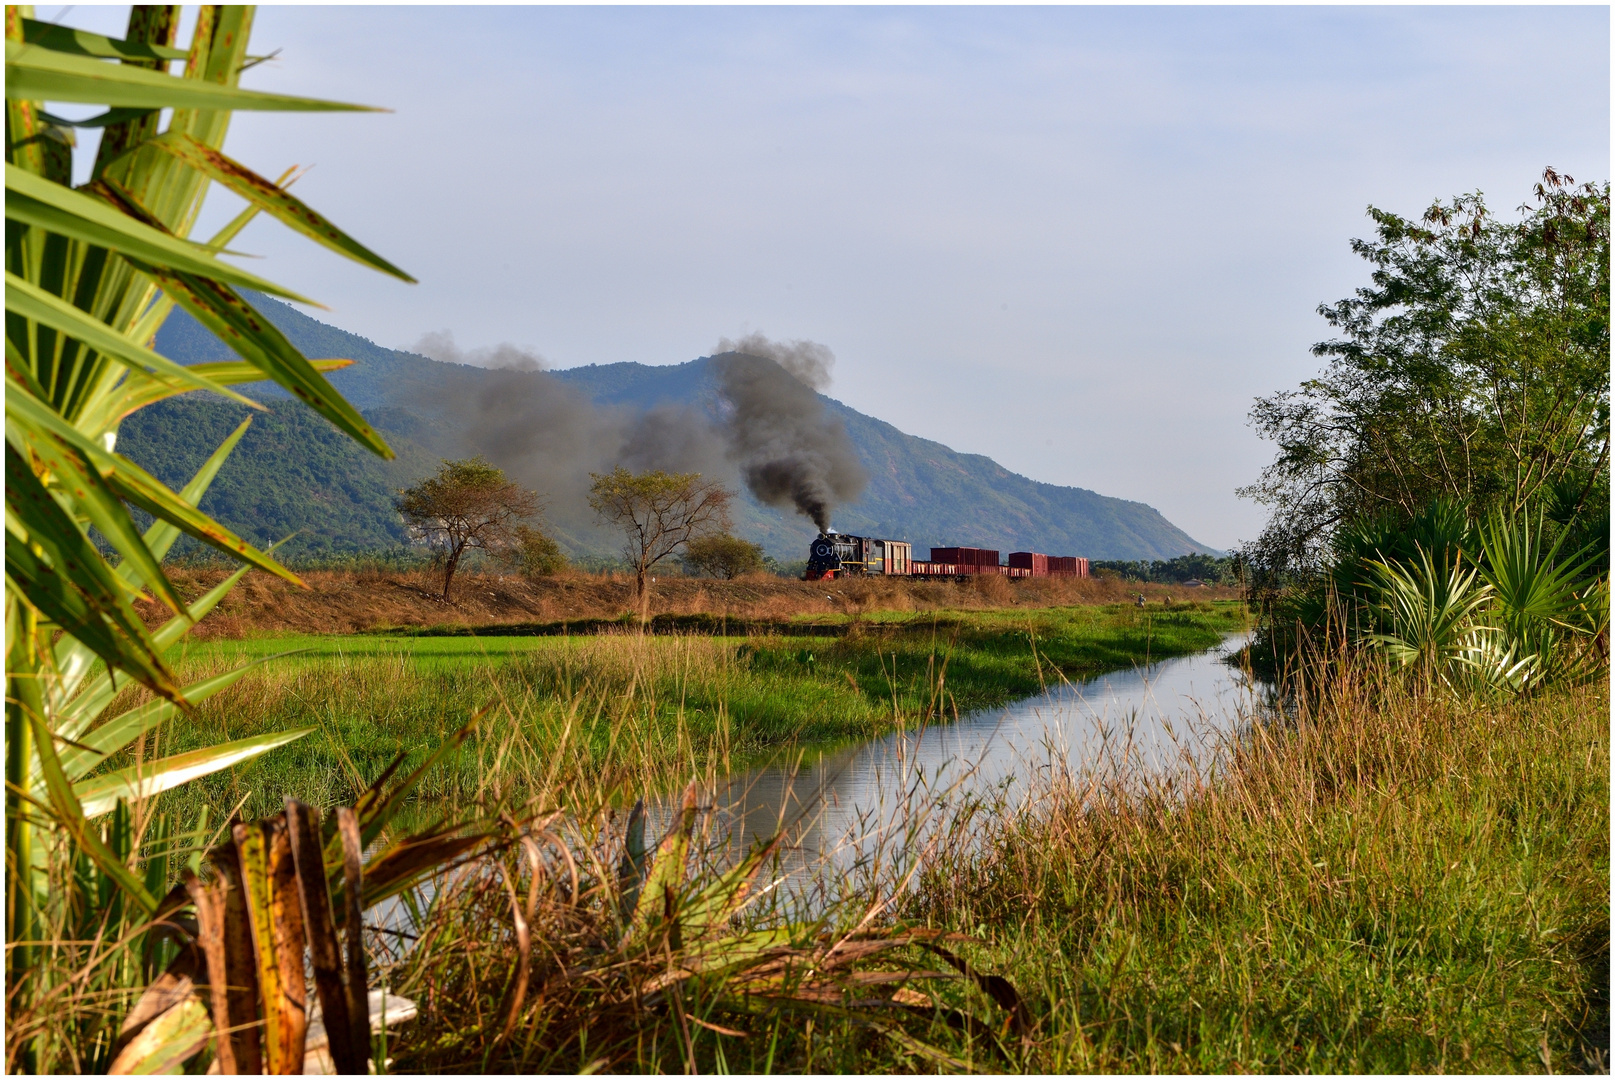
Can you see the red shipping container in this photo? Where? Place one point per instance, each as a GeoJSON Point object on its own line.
{"type": "Point", "coordinates": [1033, 561]}
{"type": "Point", "coordinates": [965, 556]}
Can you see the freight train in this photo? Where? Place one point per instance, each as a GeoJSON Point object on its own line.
{"type": "Point", "coordinates": [835, 555]}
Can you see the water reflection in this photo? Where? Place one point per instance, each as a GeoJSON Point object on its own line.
{"type": "Point", "coordinates": [853, 812]}
{"type": "Point", "coordinates": [851, 805]}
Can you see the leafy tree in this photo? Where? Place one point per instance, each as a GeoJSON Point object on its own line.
{"type": "Point", "coordinates": [659, 513]}
{"type": "Point", "coordinates": [1195, 566]}
{"type": "Point", "coordinates": [468, 505]}
{"type": "Point", "coordinates": [1473, 367]}
{"type": "Point", "coordinates": [533, 553]}
{"type": "Point", "coordinates": [723, 556]}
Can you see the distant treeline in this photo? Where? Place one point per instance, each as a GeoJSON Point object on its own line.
{"type": "Point", "coordinates": [196, 557]}
{"type": "Point", "coordinates": [411, 557]}
{"type": "Point", "coordinates": [1209, 569]}
{"type": "Point", "coordinates": [1192, 567]}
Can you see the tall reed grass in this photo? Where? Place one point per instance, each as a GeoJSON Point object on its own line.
{"type": "Point", "coordinates": [1376, 880]}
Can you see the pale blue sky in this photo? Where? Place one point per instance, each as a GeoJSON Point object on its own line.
{"type": "Point", "coordinates": [1080, 240]}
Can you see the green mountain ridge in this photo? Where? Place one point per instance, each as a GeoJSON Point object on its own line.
{"type": "Point", "coordinates": [293, 473]}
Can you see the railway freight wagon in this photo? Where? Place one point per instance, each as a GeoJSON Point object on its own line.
{"type": "Point", "coordinates": [835, 555]}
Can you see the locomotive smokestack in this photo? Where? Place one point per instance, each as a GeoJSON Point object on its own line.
{"type": "Point", "coordinates": [789, 452]}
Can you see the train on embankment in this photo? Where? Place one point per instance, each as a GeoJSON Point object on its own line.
{"type": "Point", "coordinates": [835, 555]}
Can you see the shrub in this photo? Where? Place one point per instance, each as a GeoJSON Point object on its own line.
{"type": "Point", "coordinates": [722, 556]}
{"type": "Point", "coordinates": [533, 553]}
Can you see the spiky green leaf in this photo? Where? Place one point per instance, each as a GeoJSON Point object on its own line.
{"type": "Point", "coordinates": [31, 302]}
{"type": "Point", "coordinates": [98, 794]}
{"type": "Point", "coordinates": [107, 739]}
{"type": "Point", "coordinates": [272, 199]}
{"type": "Point", "coordinates": [34, 73]}
{"type": "Point", "coordinates": [83, 43]}
{"type": "Point", "coordinates": [33, 200]}
{"type": "Point", "coordinates": [255, 339]}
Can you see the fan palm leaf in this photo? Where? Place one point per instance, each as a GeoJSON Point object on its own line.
{"type": "Point", "coordinates": [1429, 615]}
{"type": "Point", "coordinates": [1536, 592]}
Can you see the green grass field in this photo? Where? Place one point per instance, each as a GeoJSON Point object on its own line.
{"type": "Point", "coordinates": [639, 711]}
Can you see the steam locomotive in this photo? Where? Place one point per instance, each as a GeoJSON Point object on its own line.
{"type": "Point", "coordinates": [835, 555]}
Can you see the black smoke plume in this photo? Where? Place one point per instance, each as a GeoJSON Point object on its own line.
{"type": "Point", "coordinates": [439, 345]}
{"type": "Point", "coordinates": [789, 452]}
{"type": "Point", "coordinates": [550, 436]}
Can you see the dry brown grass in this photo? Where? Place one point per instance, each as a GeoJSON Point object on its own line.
{"type": "Point", "coordinates": [349, 601]}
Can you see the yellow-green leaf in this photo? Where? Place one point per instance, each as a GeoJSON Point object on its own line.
{"type": "Point", "coordinates": [31, 302]}
{"type": "Point", "coordinates": [255, 339]}
{"type": "Point", "coordinates": [35, 201]}
{"type": "Point", "coordinates": [68, 40]}
{"type": "Point", "coordinates": [276, 201]}
{"type": "Point", "coordinates": [167, 1042]}
{"type": "Point", "coordinates": [96, 746]}
{"type": "Point", "coordinates": [99, 794]}
{"type": "Point", "coordinates": [35, 73]}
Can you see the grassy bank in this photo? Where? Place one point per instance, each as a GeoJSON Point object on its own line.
{"type": "Point", "coordinates": [1382, 883]}
{"type": "Point", "coordinates": [636, 711]}
{"type": "Point", "coordinates": [1390, 885]}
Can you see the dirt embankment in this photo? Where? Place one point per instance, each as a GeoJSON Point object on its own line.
{"type": "Point", "coordinates": [350, 601]}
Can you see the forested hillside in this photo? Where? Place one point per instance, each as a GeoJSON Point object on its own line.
{"type": "Point", "coordinates": [290, 474]}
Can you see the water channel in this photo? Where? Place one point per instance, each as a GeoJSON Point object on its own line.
{"type": "Point", "coordinates": [859, 810]}
{"type": "Point", "coordinates": [849, 808]}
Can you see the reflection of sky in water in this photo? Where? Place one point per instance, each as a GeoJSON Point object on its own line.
{"type": "Point", "coordinates": [849, 803]}
{"type": "Point", "coordinates": [1167, 716]}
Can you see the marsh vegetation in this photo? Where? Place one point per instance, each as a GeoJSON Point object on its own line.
{"type": "Point", "coordinates": [629, 709]}
{"type": "Point", "coordinates": [1380, 879]}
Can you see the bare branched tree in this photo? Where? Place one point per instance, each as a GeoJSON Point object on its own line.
{"type": "Point", "coordinates": [659, 513]}
{"type": "Point", "coordinates": [468, 504]}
